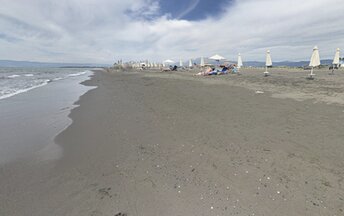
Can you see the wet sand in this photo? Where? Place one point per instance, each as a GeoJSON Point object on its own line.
{"type": "Point", "coordinates": [153, 143]}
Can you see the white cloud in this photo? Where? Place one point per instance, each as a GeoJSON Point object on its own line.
{"type": "Point", "coordinates": [107, 30]}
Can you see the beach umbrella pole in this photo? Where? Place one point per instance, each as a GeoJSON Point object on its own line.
{"type": "Point", "coordinates": [311, 75]}
{"type": "Point", "coordinates": [266, 73]}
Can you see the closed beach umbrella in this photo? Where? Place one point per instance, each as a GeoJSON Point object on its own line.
{"type": "Point", "coordinates": [336, 61]}
{"type": "Point", "coordinates": [180, 63]}
{"type": "Point", "coordinates": [336, 57]}
{"type": "Point", "coordinates": [239, 65]}
{"type": "Point", "coordinates": [190, 63]}
{"type": "Point", "coordinates": [315, 61]}
{"type": "Point", "coordinates": [268, 62]}
{"type": "Point", "coordinates": [239, 61]}
{"type": "Point", "coordinates": [202, 64]}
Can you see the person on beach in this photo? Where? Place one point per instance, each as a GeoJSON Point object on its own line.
{"type": "Point", "coordinates": [207, 71]}
{"type": "Point", "coordinates": [234, 69]}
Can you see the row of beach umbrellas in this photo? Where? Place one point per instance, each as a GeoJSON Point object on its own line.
{"type": "Point", "coordinates": [202, 63]}
{"type": "Point", "coordinates": [314, 61]}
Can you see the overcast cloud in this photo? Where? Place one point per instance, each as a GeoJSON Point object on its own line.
{"type": "Point", "coordinates": [102, 31]}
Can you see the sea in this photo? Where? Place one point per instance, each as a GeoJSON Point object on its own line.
{"type": "Point", "coordinates": [14, 81]}
{"type": "Point", "coordinates": [35, 104]}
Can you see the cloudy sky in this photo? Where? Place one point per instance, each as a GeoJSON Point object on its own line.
{"type": "Point", "coordinates": [102, 31]}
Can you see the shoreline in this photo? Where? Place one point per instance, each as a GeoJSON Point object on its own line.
{"type": "Point", "coordinates": [32, 119]}
{"type": "Point", "coordinates": [167, 144]}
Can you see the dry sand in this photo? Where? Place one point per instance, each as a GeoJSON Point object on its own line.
{"type": "Point", "coordinates": [153, 143]}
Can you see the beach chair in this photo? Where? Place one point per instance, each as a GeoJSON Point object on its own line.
{"type": "Point", "coordinates": [223, 71]}
{"type": "Point", "coordinates": [166, 69]}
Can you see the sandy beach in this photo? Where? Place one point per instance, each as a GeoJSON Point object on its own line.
{"type": "Point", "coordinates": [151, 143]}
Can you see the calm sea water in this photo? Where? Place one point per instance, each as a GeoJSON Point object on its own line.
{"type": "Point", "coordinates": [18, 80]}
{"type": "Point", "coordinates": [29, 121]}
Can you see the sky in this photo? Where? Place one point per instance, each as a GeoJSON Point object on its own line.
{"type": "Point", "coordinates": [104, 31]}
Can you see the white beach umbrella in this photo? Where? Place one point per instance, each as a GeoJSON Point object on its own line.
{"type": "Point", "coordinates": [239, 61]}
{"type": "Point", "coordinates": [180, 63]}
{"type": "Point", "coordinates": [268, 62]}
{"type": "Point", "coordinates": [202, 64]}
{"type": "Point", "coordinates": [190, 63]}
{"type": "Point", "coordinates": [315, 61]}
{"type": "Point", "coordinates": [168, 61]}
{"type": "Point", "coordinates": [239, 65]}
{"type": "Point", "coordinates": [217, 57]}
{"type": "Point", "coordinates": [336, 57]}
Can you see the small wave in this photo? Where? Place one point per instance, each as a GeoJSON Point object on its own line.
{"type": "Point", "coordinates": [13, 76]}
{"type": "Point", "coordinates": [57, 78]}
{"type": "Point", "coordinates": [18, 91]}
{"type": "Point", "coordinates": [28, 75]}
{"type": "Point", "coordinates": [77, 74]}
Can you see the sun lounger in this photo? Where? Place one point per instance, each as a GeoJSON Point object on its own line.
{"type": "Point", "coordinates": [166, 69]}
